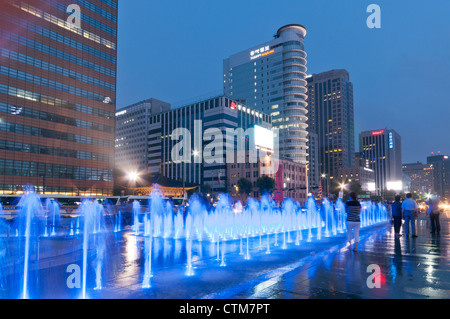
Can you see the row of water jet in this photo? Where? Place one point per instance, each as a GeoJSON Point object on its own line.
{"type": "Point", "coordinates": [258, 218]}
{"type": "Point", "coordinates": [264, 220]}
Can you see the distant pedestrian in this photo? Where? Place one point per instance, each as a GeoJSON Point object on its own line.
{"type": "Point", "coordinates": [397, 215]}
{"type": "Point", "coordinates": [353, 209]}
{"type": "Point", "coordinates": [434, 212]}
{"type": "Point", "coordinates": [409, 211]}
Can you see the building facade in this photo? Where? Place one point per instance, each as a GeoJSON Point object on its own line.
{"type": "Point", "coordinates": [331, 118]}
{"type": "Point", "coordinates": [291, 176]}
{"type": "Point", "coordinates": [132, 128]}
{"type": "Point", "coordinates": [421, 177]}
{"type": "Point", "coordinates": [441, 168]}
{"type": "Point", "coordinates": [190, 143]}
{"type": "Point", "coordinates": [270, 77]}
{"type": "Point", "coordinates": [57, 96]}
{"type": "Point", "coordinates": [362, 175]}
{"type": "Point", "coordinates": [383, 151]}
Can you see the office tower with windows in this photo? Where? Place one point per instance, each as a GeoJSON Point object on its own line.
{"type": "Point", "coordinates": [383, 151]}
{"type": "Point", "coordinates": [203, 140]}
{"type": "Point", "coordinates": [132, 127]}
{"type": "Point", "coordinates": [421, 177]}
{"type": "Point", "coordinates": [441, 170]}
{"type": "Point", "coordinates": [330, 110]}
{"type": "Point", "coordinates": [57, 95]}
{"type": "Point", "coordinates": [270, 77]}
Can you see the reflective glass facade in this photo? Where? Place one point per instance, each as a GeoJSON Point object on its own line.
{"type": "Point", "coordinates": [57, 96]}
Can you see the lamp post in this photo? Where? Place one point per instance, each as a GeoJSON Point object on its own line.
{"type": "Point", "coordinates": [132, 177]}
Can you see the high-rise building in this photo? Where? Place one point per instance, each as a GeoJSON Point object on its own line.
{"type": "Point", "coordinates": [270, 77]}
{"type": "Point", "coordinates": [383, 150]}
{"type": "Point", "coordinates": [441, 168]}
{"type": "Point", "coordinates": [330, 117]}
{"type": "Point", "coordinates": [132, 133]}
{"type": "Point", "coordinates": [421, 177]}
{"type": "Point", "coordinates": [57, 95]}
{"type": "Point", "coordinates": [313, 162]}
{"type": "Point", "coordinates": [203, 127]}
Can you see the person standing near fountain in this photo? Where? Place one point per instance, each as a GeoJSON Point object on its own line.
{"type": "Point", "coordinates": [353, 209]}
{"type": "Point", "coordinates": [397, 215]}
{"type": "Point", "coordinates": [433, 212]}
{"type": "Point", "coordinates": [409, 211]}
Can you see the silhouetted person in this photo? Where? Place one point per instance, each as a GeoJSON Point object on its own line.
{"type": "Point", "coordinates": [433, 212]}
{"type": "Point", "coordinates": [397, 215]}
{"type": "Point", "coordinates": [409, 210]}
{"type": "Point", "coordinates": [353, 209]}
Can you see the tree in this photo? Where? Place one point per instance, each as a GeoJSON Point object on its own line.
{"type": "Point", "coordinates": [265, 184]}
{"type": "Point", "coordinates": [389, 195]}
{"type": "Point", "coordinates": [245, 186]}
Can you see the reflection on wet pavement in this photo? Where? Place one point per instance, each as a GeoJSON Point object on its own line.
{"type": "Point", "coordinates": [410, 268]}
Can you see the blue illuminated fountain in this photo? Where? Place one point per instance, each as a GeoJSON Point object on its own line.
{"type": "Point", "coordinates": [28, 228]}
{"type": "Point", "coordinates": [247, 231]}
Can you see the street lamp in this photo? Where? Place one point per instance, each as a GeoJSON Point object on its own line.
{"type": "Point", "coordinates": [132, 177]}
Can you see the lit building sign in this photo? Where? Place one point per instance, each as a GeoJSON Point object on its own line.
{"type": "Point", "coordinates": [121, 113]}
{"type": "Point", "coordinates": [233, 105]}
{"type": "Point", "coordinates": [374, 133]}
{"type": "Point", "coordinates": [268, 53]}
{"type": "Point", "coordinates": [391, 140]}
{"type": "Point", "coordinates": [264, 51]}
{"type": "Point", "coordinates": [394, 186]}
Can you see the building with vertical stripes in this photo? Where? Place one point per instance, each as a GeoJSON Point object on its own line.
{"type": "Point", "coordinates": [206, 121]}
{"type": "Point", "coordinates": [383, 151]}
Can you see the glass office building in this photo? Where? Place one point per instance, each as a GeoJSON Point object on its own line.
{"type": "Point", "coordinates": [57, 95]}
{"type": "Point", "coordinates": [271, 78]}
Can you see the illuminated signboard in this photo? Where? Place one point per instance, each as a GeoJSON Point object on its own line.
{"type": "Point", "coordinates": [263, 137]}
{"type": "Point", "coordinates": [233, 105]}
{"type": "Point", "coordinates": [394, 186]}
{"type": "Point", "coordinates": [391, 140]}
{"type": "Point", "coordinates": [377, 132]}
{"type": "Point", "coordinates": [264, 51]}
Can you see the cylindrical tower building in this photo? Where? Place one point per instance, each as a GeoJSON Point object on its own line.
{"type": "Point", "coordinates": [293, 130]}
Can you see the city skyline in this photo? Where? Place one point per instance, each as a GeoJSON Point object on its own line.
{"type": "Point", "coordinates": [189, 57]}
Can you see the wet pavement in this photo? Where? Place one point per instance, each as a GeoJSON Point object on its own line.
{"type": "Point", "coordinates": [327, 268]}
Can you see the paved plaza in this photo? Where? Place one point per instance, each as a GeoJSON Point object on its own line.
{"type": "Point", "coordinates": [326, 268]}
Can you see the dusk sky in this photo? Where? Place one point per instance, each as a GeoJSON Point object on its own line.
{"type": "Point", "coordinates": [173, 51]}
